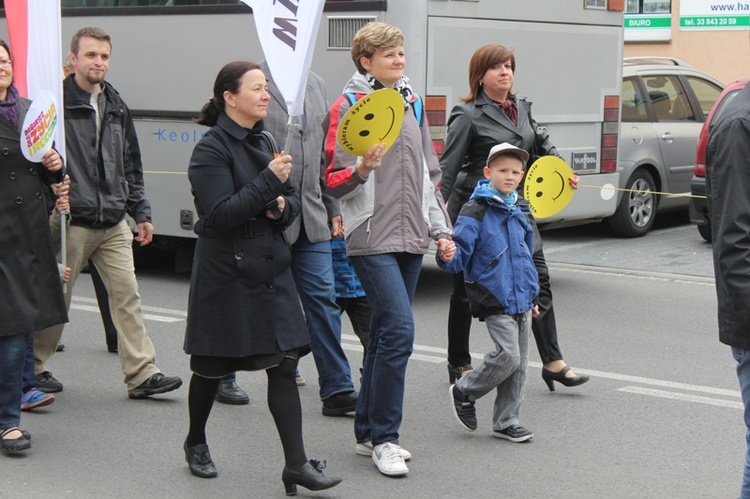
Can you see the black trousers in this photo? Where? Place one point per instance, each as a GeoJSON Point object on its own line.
{"type": "Point", "coordinates": [543, 326]}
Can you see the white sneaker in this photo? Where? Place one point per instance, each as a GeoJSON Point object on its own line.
{"type": "Point", "coordinates": [388, 459]}
{"type": "Point", "coordinates": [365, 449]}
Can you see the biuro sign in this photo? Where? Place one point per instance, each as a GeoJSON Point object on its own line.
{"type": "Point", "coordinates": [39, 127]}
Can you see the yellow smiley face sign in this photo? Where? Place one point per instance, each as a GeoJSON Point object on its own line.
{"type": "Point", "coordinates": [546, 187]}
{"type": "Point", "coordinates": [375, 118]}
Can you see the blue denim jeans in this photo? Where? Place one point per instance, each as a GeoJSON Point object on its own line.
{"type": "Point", "coordinates": [312, 268]}
{"type": "Point", "coordinates": [743, 374]}
{"type": "Point", "coordinates": [12, 354]}
{"type": "Point", "coordinates": [390, 281]}
{"type": "Point", "coordinates": [29, 379]}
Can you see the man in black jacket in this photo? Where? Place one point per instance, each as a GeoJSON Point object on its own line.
{"type": "Point", "coordinates": [104, 164]}
{"type": "Point", "coordinates": [728, 185]}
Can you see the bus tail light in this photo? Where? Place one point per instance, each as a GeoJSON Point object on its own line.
{"type": "Point", "coordinates": [435, 107]}
{"type": "Point", "coordinates": [610, 131]}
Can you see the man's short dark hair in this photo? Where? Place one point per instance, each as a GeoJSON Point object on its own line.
{"type": "Point", "coordinates": [90, 32]}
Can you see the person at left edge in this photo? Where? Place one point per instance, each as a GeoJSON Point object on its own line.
{"type": "Point", "coordinates": [243, 309]}
{"type": "Point", "coordinates": [106, 184]}
{"type": "Point", "coordinates": [29, 280]}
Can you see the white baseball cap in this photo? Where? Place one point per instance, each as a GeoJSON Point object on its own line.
{"type": "Point", "coordinates": [506, 148]}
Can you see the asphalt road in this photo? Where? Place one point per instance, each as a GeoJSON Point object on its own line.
{"type": "Point", "coordinates": [661, 416]}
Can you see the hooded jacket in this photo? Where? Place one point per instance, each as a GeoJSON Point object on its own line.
{"type": "Point", "coordinates": [494, 246]}
{"type": "Point", "coordinates": [106, 182]}
{"type": "Point", "coordinates": [398, 207]}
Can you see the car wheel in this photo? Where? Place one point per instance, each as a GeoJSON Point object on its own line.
{"type": "Point", "coordinates": [637, 210]}
{"type": "Point", "coordinates": [705, 232]}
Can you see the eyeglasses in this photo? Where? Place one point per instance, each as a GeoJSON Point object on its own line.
{"type": "Point", "coordinates": [6, 63]}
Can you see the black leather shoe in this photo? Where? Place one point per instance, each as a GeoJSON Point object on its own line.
{"type": "Point", "coordinates": [548, 377]}
{"type": "Point", "coordinates": [47, 383]}
{"type": "Point", "coordinates": [199, 460]}
{"type": "Point", "coordinates": [158, 383]}
{"type": "Point", "coordinates": [340, 404]}
{"type": "Point", "coordinates": [230, 393]}
{"type": "Point", "coordinates": [310, 476]}
{"type": "Point", "coordinates": [19, 444]}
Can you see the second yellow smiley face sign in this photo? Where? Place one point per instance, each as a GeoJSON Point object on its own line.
{"type": "Point", "coordinates": [375, 118]}
{"type": "Point", "coordinates": [547, 187]}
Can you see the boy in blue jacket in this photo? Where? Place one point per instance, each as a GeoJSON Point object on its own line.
{"type": "Point", "coordinates": [494, 245]}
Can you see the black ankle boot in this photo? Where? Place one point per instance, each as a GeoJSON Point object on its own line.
{"type": "Point", "coordinates": [199, 461]}
{"type": "Point", "coordinates": [310, 476]}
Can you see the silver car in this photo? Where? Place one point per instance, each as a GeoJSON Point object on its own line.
{"type": "Point", "coordinates": [663, 106]}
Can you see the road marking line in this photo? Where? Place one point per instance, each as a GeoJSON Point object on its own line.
{"type": "Point", "coordinates": [158, 318]}
{"type": "Point", "coordinates": [591, 372]}
{"type": "Point", "coordinates": [356, 346]}
{"type": "Point", "coordinates": [681, 396]}
{"type": "Point", "coordinates": [636, 274]}
{"type": "Point", "coordinates": [145, 308]}
{"type": "Point", "coordinates": [77, 304]}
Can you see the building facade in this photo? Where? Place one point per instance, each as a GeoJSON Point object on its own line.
{"type": "Point", "coordinates": [710, 35]}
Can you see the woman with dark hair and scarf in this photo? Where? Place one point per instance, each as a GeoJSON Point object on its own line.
{"type": "Point", "coordinates": [29, 277]}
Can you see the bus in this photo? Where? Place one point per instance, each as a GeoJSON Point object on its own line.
{"type": "Point", "coordinates": [166, 53]}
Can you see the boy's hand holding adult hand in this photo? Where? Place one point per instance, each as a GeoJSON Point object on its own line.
{"type": "Point", "coordinates": [446, 249]}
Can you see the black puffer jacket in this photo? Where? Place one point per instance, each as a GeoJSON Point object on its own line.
{"type": "Point", "coordinates": [106, 183]}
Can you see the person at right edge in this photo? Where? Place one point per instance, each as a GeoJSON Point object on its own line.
{"type": "Point", "coordinates": [492, 114]}
{"type": "Point", "coordinates": [727, 185]}
{"type": "Point", "coordinates": [243, 308]}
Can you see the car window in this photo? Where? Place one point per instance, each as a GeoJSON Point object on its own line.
{"type": "Point", "coordinates": [705, 91]}
{"type": "Point", "coordinates": [668, 98]}
{"type": "Point", "coordinates": [633, 105]}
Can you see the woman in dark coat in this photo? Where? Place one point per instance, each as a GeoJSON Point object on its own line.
{"type": "Point", "coordinates": [491, 114]}
{"type": "Point", "coordinates": [30, 284]}
{"type": "Point", "coordinates": [243, 310]}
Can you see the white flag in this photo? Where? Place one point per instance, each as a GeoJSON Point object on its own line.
{"type": "Point", "coordinates": [34, 29]}
{"type": "Point", "coordinates": [287, 30]}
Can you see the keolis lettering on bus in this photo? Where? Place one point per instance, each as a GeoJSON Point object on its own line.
{"type": "Point", "coordinates": [166, 135]}
{"type": "Point", "coordinates": [287, 26]}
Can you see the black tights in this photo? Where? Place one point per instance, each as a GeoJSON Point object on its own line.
{"type": "Point", "coordinates": [283, 402]}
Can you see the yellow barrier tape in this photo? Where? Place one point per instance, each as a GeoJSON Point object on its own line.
{"type": "Point", "coordinates": [612, 188]}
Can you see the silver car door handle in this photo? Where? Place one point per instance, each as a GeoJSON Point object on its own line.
{"type": "Point", "coordinates": [667, 137]}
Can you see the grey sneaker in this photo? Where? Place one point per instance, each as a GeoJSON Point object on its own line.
{"type": "Point", "coordinates": [514, 433]}
{"type": "Point", "coordinates": [158, 383]}
{"type": "Point", "coordinates": [463, 409]}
